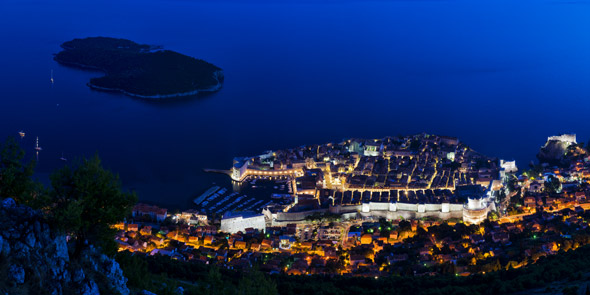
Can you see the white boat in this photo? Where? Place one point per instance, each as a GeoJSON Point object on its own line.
{"type": "Point", "coordinates": [202, 197]}
{"type": "Point", "coordinates": [37, 147]}
{"type": "Point", "coordinates": [21, 134]}
{"type": "Point", "coordinates": [62, 158]}
{"type": "Point", "coordinates": [51, 79]}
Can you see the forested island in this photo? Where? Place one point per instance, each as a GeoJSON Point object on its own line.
{"type": "Point", "coordinates": [140, 70]}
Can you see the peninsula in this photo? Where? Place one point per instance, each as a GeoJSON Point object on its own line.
{"type": "Point", "coordinates": [140, 70]}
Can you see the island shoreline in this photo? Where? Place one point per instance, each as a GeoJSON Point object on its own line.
{"type": "Point", "coordinates": [216, 74]}
{"type": "Point", "coordinates": [162, 96]}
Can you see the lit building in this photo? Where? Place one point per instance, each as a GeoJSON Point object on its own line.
{"type": "Point", "coordinates": [476, 210]}
{"type": "Point", "coordinates": [372, 149]}
{"type": "Point", "coordinates": [239, 169]}
{"type": "Point", "coordinates": [567, 138]}
{"type": "Point", "coordinates": [233, 222]}
{"type": "Point", "coordinates": [154, 212]}
{"type": "Point", "coordinates": [509, 166]}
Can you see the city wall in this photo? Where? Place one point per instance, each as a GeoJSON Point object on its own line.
{"type": "Point", "coordinates": [378, 210]}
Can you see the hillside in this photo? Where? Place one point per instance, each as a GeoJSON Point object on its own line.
{"type": "Point", "coordinates": [35, 260]}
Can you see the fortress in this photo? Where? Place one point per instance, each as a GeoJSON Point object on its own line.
{"type": "Point", "coordinates": [567, 138]}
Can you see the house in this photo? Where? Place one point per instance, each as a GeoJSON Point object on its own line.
{"type": "Point", "coordinates": [173, 235]}
{"type": "Point", "coordinates": [397, 258]}
{"type": "Point", "coordinates": [240, 245]}
{"type": "Point", "coordinates": [202, 217]}
{"type": "Point", "coordinates": [500, 237]}
{"type": "Point", "coordinates": [366, 239]}
{"type": "Point", "coordinates": [306, 245]}
{"type": "Point", "coordinates": [285, 242]}
{"type": "Point", "coordinates": [208, 240]}
{"type": "Point", "coordinates": [580, 196]}
{"type": "Point", "coordinates": [255, 247]}
{"type": "Point", "coordinates": [146, 230]}
{"type": "Point", "coordinates": [530, 202]}
{"type": "Point", "coordinates": [414, 225]}
{"type": "Point", "coordinates": [329, 233]}
{"type": "Point", "coordinates": [120, 226]}
{"type": "Point", "coordinates": [132, 227]}
{"type": "Point", "coordinates": [536, 226]}
{"type": "Point", "coordinates": [132, 234]}
{"type": "Point", "coordinates": [424, 251]}
{"type": "Point", "coordinates": [193, 220]}
{"type": "Point", "coordinates": [356, 233]}
{"type": "Point", "coordinates": [155, 212]}
{"type": "Point", "coordinates": [393, 235]}
{"type": "Point", "coordinates": [536, 186]}
{"type": "Point", "coordinates": [266, 244]}
{"type": "Point", "coordinates": [356, 259]}
{"type": "Point", "coordinates": [477, 239]}
{"type": "Point", "coordinates": [156, 240]}
{"type": "Point", "coordinates": [209, 229]}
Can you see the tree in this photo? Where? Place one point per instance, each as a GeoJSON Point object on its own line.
{"type": "Point", "coordinates": [216, 283]}
{"type": "Point", "coordinates": [256, 283]}
{"type": "Point", "coordinates": [571, 290]}
{"type": "Point", "coordinates": [15, 176]}
{"type": "Point", "coordinates": [87, 200]}
{"type": "Point", "coordinates": [135, 269]}
{"type": "Point", "coordinates": [552, 185]}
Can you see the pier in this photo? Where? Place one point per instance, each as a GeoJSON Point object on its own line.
{"type": "Point", "coordinates": [226, 172]}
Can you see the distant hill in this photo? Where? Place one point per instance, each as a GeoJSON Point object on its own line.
{"type": "Point", "coordinates": [140, 70]}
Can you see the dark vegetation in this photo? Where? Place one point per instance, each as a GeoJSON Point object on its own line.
{"type": "Point", "coordinates": [142, 271]}
{"type": "Point", "coordinates": [164, 275]}
{"type": "Point", "coordinates": [83, 201]}
{"type": "Point", "coordinates": [138, 69]}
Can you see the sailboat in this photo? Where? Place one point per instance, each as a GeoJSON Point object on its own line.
{"type": "Point", "coordinates": [22, 134]}
{"type": "Point", "coordinates": [62, 157]}
{"type": "Point", "coordinates": [51, 79]}
{"type": "Point", "coordinates": [37, 147]}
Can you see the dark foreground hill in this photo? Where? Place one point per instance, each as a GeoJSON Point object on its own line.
{"type": "Point", "coordinates": [35, 260]}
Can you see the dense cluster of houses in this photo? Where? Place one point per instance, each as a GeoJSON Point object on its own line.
{"type": "Point", "coordinates": [544, 211]}
{"type": "Point", "coordinates": [420, 161]}
{"type": "Point", "coordinates": [367, 248]}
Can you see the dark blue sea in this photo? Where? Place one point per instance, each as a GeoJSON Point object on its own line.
{"type": "Point", "coordinates": [500, 75]}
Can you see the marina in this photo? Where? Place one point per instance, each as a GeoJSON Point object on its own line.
{"type": "Point", "coordinates": [253, 195]}
{"type": "Point", "coordinates": [202, 197]}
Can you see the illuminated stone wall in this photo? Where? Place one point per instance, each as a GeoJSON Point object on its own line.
{"type": "Point", "coordinates": [239, 223]}
{"type": "Point", "coordinates": [569, 138]}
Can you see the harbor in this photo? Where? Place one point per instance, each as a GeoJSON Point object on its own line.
{"type": "Point", "coordinates": [252, 195]}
